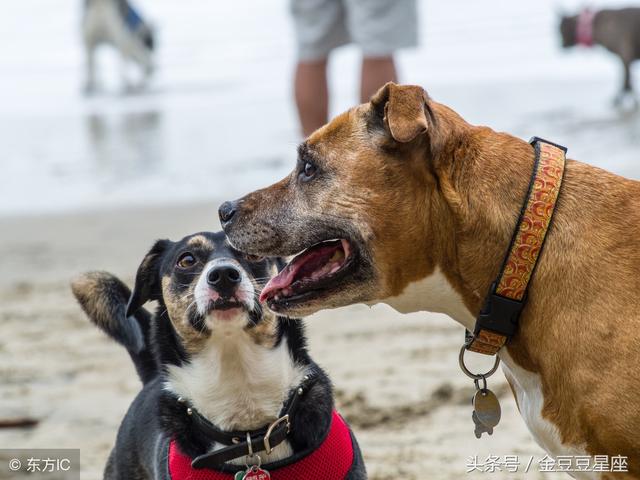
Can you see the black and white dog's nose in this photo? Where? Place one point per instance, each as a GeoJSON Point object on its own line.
{"type": "Point", "coordinates": [224, 279]}
{"type": "Point", "coordinates": [226, 211]}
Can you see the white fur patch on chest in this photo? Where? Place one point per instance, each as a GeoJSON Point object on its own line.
{"type": "Point", "coordinates": [238, 385]}
{"type": "Point", "coordinates": [528, 390]}
{"type": "Point", "coordinates": [432, 294]}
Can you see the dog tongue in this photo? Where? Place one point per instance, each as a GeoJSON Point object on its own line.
{"type": "Point", "coordinates": [280, 281]}
{"type": "Point", "coordinates": [309, 261]}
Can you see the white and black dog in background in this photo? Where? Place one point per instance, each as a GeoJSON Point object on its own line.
{"type": "Point", "coordinates": [223, 377]}
{"type": "Point", "coordinates": [116, 23]}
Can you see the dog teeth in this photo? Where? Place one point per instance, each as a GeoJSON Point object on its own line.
{"type": "Point", "coordinates": [337, 256]}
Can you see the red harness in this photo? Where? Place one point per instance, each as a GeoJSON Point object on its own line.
{"type": "Point", "coordinates": [332, 460]}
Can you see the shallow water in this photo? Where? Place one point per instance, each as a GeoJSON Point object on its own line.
{"type": "Point", "coordinates": [218, 121]}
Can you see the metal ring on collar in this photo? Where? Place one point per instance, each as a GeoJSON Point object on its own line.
{"type": "Point", "coordinates": [246, 461]}
{"type": "Point", "coordinates": [476, 376]}
{"type": "Point", "coordinates": [476, 382]}
{"type": "Point", "coordinates": [249, 445]}
{"type": "Point", "coordinates": [267, 445]}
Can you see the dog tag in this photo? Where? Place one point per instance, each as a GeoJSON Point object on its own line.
{"type": "Point", "coordinates": [239, 475]}
{"type": "Point", "coordinates": [480, 427]}
{"type": "Point", "coordinates": [486, 408]}
{"type": "Point", "coordinates": [256, 473]}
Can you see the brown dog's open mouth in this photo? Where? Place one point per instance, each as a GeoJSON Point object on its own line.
{"type": "Point", "coordinates": [314, 269]}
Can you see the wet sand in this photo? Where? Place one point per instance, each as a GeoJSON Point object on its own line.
{"type": "Point", "coordinates": [396, 376]}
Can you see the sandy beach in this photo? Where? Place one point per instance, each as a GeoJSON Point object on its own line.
{"type": "Point", "coordinates": [396, 376]}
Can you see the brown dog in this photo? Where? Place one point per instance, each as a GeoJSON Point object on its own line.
{"type": "Point", "coordinates": [422, 207]}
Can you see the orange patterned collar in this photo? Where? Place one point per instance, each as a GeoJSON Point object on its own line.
{"type": "Point", "coordinates": [498, 320]}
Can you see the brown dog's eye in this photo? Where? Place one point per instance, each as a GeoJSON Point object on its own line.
{"type": "Point", "coordinates": [186, 260]}
{"type": "Point", "coordinates": [308, 171]}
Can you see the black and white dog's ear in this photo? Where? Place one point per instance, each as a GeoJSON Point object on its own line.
{"type": "Point", "coordinates": [147, 286]}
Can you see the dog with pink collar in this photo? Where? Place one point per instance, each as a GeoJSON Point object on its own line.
{"type": "Point", "coordinates": [616, 30]}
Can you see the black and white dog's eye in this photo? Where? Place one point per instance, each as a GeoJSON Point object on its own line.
{"type": "Point", "coordinates": [308, 172]}
{"type": "Point", "coordinates": [186, 260]}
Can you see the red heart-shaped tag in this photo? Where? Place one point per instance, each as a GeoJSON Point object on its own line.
{"type": "Point", "coordinates": [257, 473]}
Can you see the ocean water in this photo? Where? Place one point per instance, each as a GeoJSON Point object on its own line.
{"type": "Point", "coordinates": [218, 119]}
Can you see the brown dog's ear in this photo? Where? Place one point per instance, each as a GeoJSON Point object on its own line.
{"type": "Point", "coordinates": [147, 286]}
{"type": "Point", "coordinates": [403, 110]}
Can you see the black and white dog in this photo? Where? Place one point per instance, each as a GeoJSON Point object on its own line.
{"type": "Point", "coordinates": [116, 23]}
{"type": "Point", "coordinates": [228, 385]}
{"type": "Point", "coordinates": [616, 30]}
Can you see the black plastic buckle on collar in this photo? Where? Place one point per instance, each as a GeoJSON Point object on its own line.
{"type": "Point", "coordinates": [499, 314]}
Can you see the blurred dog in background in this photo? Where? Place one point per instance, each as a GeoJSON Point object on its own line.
{"type": "Point", "coordinates": [117, 23]}
{"type": "Point", "coordinates": [616, 30]}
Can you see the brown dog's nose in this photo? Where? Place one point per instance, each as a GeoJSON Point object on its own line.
{"type": "Point", "coordinates": [226, 211]}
